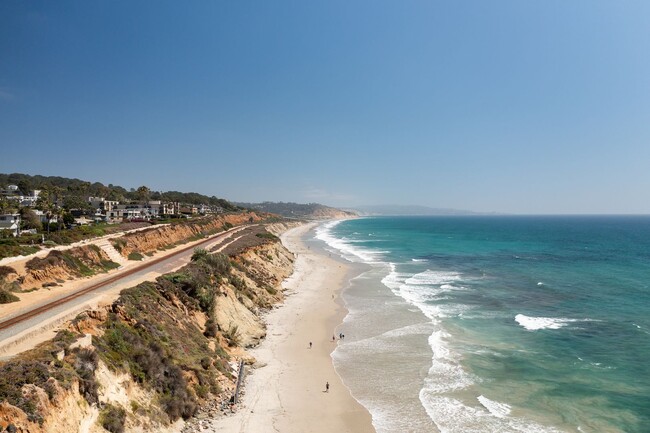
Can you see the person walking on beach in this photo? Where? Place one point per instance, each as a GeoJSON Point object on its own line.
{"type": "Point", "coordinates": [327, 387]}
{"type": "Point", "coordinates": [310, 344]}
{"type": "Point", "coordinates": [333, 338]}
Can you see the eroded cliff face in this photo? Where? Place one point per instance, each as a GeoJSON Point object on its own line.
{"type": "Point", "coordinates": [85, 261]}
{"type": "Point", "coordinates": [153, 357]}
{"type": "Point", "coordinates": [255, 284]}
{"type": "Point", "coordinates": [59, 266]}
{"type": "Point", "coordinates": [156, 238]}
{"type": "Point", "coordinates": [332, 213]}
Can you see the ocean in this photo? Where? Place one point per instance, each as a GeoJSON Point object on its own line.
{"type": "Point", "coordinates": [497, 323]}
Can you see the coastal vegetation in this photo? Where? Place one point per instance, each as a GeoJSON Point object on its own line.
{"type": "Point", "coordinates": [80, 261]}
{"type": "Point", "coordinates": [73, 192]}
{"type": "Point", "coordinates": [60, 211]}
{"type": "Point", "coordinates": [6, 297]}
{"type": "Point", "coordinates": [135, 256]}
{"type": "Point", "coordinates": [28, 244]}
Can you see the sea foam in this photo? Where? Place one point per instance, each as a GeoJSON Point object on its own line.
{"type": "Point", "coordinates": [346, 247]}
{"type": "Point", "coordinates": [452, 415]}
{"type": "Point", "coordinates": [500, 410]}
{"type": "Point", "coordinates": [537, 323]}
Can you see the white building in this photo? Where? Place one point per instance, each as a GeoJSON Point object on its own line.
{"type": "Point", "coordinates": [10, 222]}
{"type": "Point", "coordinates": [133, 211]}
{"type": "Point", "coordinates": [23, 198]}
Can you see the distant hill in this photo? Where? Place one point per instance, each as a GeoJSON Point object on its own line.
{"type": "Point", "coordinates": [409, 210]}
{"type": "Point", "coordinates": [301, 211]}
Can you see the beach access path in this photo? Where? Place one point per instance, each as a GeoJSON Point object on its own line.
{"type": "Point", "coordinates": [286, 393]}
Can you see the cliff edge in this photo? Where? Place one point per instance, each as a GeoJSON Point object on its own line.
{"type": "Point", "coordinates": [163, 351]}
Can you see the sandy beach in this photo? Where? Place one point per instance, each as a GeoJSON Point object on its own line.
{"type": "Point", "coordinates": [286, 393]}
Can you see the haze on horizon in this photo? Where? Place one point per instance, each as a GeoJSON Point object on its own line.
{"type": "Point", "coordinates": [501, 106]}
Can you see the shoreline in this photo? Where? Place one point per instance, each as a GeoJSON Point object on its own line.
{"type": "Point", "coordinates": [286, 391]}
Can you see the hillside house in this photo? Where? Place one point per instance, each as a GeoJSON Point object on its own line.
{"type": "Point", "coordinates": [10, 223]}
{"type": "Point", "coordinates": [170, 208]}
{"type": "Point", "coordinates": [28, 198]}
{"type": "Point", "coordinates": [188, 210]}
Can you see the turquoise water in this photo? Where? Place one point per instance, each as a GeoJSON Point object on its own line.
{"type": "Point", "coordinates": [530, 323]}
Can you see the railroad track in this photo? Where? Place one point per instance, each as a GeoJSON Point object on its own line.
{"type": "Point", "coordinates": [43, 308]}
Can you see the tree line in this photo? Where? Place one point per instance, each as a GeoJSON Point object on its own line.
{"type": "Point", "coordinates": [73, 193]}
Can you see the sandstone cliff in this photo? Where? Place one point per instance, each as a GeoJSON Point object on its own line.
{"type": "Point", "coordinates": [156, 355]}
{"type": "Point", "coordinates": [59, 266]}
{"type": "Point", "coordinates": [156, 238]}
{"type": "Point", "coordinates": [84, 261]}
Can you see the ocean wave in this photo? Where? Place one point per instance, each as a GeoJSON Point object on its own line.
{"type": "Point", "coordinates": [419, 260]}
{"type": "Point", "coordinates": [393, 280]}
{"type": "Point", "coordinates": [500, 410]}
{"type": "Point", "coordinates": [445, 373]}
{"type": "Point", "coordinates": [640, 328]}
{"type": "Point", "coordinates": [424, 288]}
{"type": "Point", "coordinates": [429, 277]}
{"type": "Point", "coordinates": [345, 247]}
{"type": "Point", "coordinates": [537, 323]}
{"type": "Point", "coordinates": [453, 415]}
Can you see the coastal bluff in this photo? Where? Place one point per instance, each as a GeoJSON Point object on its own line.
{"type": "Point", "coordinates": [161, 353]}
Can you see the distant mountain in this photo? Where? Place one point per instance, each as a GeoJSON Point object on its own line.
{"type": "Point", "coordinates": [301, 211]}
{"type": "Point", "coordinates": [409, 210]}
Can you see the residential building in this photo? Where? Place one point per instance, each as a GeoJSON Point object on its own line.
{"type": "Point", "coordinates": [10, 222]}
{"type": "Point", "coordinates": [96, 202]}
{"type": "Point", "coordinates": [188, 210]}
{"type": "Point", "coordinates": [12, 192]}
{"type": "Point", "coordinates": [133, 211]}
{"type": "Point", "coordinates": [170, 208]}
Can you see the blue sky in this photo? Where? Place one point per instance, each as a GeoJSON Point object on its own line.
{"type": "Point", "coordinates": [507, 106]}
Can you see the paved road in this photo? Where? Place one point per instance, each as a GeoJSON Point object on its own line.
{"type": "Point", "coordinates": [24, 321]}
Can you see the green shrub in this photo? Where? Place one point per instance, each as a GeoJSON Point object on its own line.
{"type": "Point", "coordinates": [238, 283]}
{"type": "Point", "coordinates": [211, 328]}
{"type": "Point", "coordinates": [267, 235]}
{"type": "Point", "coordinates": [135, 256]}
{"type": "Point", "coordinates": [201, 391]}
{"type": "Point", "coordinates": [138, 348]}
{"type": "Point", "coordinates": [232, 335]}
{"type": "Point", "coordinates": [16, 373]}
{"type": "Point", "coordinates": [85, 365]}
{"type": "Point", "coordinates": [118, 244]}
{"type": "Point", "coordinates": [206, 363]}
{"type": "Point", "coordinates": [219, 263]}
{"type": "Point", "coordinates": [6, 270]}
{"type": "Point", "coordinates": [6, 297]}
{"type": "Point", "coordinates": [112, 418]}
{"type": "Point", "coordinates": [199, 254]}
{"type": "Point", "coordinates": [109, 264]}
